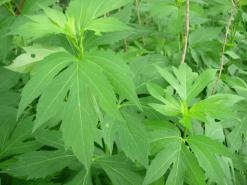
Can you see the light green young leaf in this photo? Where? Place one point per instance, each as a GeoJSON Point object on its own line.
{"type": "Point", "coordinates": [3, 1]}
{"type": "Point", "coordinates": [200, 83]}
{"type": "Point", "coordinates": [181, 79]}
{"type": "Point", "coordinates": [85, 11]}
{"type": "Point", "coordinates": [187, 83]}
{"type": "Point", "coordinates": [34, 164]}
{"type": "Point", "coordinates": [25, 62]}
{"type": "Point", "coordinates": [41, 26]}
{"type": "Point", "coordinates": [156, 91]}
{"type": "Point", "coordinates": [168, 110]}
{"type": "Point", "coordinates": [218, 106]}
{"type": "Point", "coordinates": [57, 17]}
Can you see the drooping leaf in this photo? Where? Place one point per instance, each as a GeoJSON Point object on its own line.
{"type": "Point", "coordinates": [34, 164]}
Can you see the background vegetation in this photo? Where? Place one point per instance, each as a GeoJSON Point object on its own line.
{"type": "Point", "coordinates": [123, 92]}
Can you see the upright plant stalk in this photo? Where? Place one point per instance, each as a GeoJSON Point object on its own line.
{"type": "Point", "coordinates": [138, 12]}
{"type": "Point", "coordinates": [19, 7]}
{"type": "Point", "coordinates": [222, 61]}
{"type": "Point", "coordinates": [187, 29]}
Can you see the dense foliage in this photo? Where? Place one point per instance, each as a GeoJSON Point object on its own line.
{"type": "Point", "coordinates": [123, 92]}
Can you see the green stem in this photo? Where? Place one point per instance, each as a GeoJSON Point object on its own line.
{"type": "Point", "coordinates": [185, 132]}
{"type": "Point", "coordinates": [9, 7]}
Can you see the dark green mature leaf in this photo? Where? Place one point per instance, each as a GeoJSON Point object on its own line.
{"type": "Point", "coordinates": [7, 79]}
{"type": "Point", "coordinates": [81, 178]}
{"type": "Point", "coordinates": [159, 132]}
{"type": "Point", "coordinates": [42, 76]}
{"type": "Point", "coordinates": [133, 139]}
{"type": "Point", "coordinates": [207, 152]}
{"type": "Point", "coordinates": [235, 137]}
{"type": "Point", "coordinates": [14, 136]}
{"type": "Point", "coordinates": [51, 138]}
{"type": "Point", "coordinates": [184, 165]}
{"type": "Point", "coordinates": [117, 72]}
{"type": "Point", "coordinates": [34, 164]}
{"type": "Point", "coordinates": [119, 170]}
{"type": "Point", "coordinates": [86, 87]}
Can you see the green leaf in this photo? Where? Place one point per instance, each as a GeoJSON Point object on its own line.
{"type": "Point", "coordinates": [8, 79]}
{"type": "Point", "coordinates": [187, 83]}
{"type": "Point", "coordinates": [14, 136]}
{"type": "Point", "coordinates": [182, 81]}
{"type": "Point", "coordinates": [57, 17]}
{"type": "Point", "coordinates": [85, 86]}
{"type": "Point", "coordinates": [52, 98]}
{"type": "Point", "coordinates": [109, 24]}
{"type": "Point", "coordinates": [117, 72]}
{"type": "Point", "coordinates": [51, 138]}
{"type": "Point", "coordinates": [162, 162]}
{"type": "Point", "coordinates": [41, 26]}
{"type": "Point", "coordinates": [81, 134]}
{"type": "Point", "coordinates": [85, 11]}
{"type": "Point", "coordinates": [34, 164]}
{"type": "Point", "coordinates": [42, 76]}
{"type": "Point", "coordinates": [119, 170]}
{"type": "Point", "coordinates": [235, 137]}
{"type": "Point", "coordinates": [218, 106]}
{"type": "Point", "coordinates": [25, 62]}
{"type": "Point", "coordinates": [207, 151]}
{"type": "Point", "coordinates": [184, 166]}
{"type": "Point", "coordinates": [81, 178]}
{"type": "Point", "coordinates": [133, 139]}
{"type": "Point", "coordinates": [159, 133]}
{"type": "Point", "coordinates": [200, 83]}
{"type": "Point", "coordinates": [3, 1]}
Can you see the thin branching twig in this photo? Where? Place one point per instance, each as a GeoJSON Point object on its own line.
{"type": "Point", "coordinates": [222, 61]}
